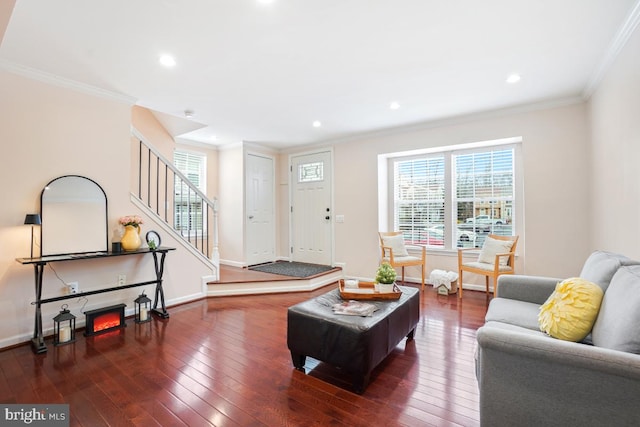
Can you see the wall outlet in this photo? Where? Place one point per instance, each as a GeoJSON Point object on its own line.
{"type": "Point", "coordinates": [122, 279]}
{"type": "Point", "coordinates": [74, 288]}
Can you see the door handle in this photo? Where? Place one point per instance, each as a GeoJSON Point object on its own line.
{"type": "Point", "coordinates": [327, 217]}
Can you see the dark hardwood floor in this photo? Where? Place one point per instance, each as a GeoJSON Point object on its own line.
{"type": "Point", "coordinates": [224, 361]}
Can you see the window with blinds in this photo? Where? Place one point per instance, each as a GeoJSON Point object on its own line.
{"type": "Point", "coordinates": [419, 198]}
{"type": "Point", "coordinates": [188, 206]}
{"type": "Point", "coordinates": [454, 198]}
{"type": "Point", "coordinates": [484, 193]}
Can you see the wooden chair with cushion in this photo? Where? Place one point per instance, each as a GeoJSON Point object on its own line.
{"type": "Point", "coordinates": [496, 257]}
{"type": "Point", "coordinates": [395, 253]}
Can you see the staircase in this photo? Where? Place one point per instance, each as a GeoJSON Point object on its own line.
{"type": "Point", "coordinates": [164, 193]}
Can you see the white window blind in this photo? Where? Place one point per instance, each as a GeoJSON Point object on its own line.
{"type": "Point", "coordinates": [484, 193]}
{"type": "Point", "coordinates": [419, 198]}
{"type": "Point", "coordinates": [188, 205]}
{"type": "Point", "coordinates": [193, 166]}
{"type": "Point", "coordinates": [456, 197]}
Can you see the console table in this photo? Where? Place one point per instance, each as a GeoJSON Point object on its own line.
{"type": "Point", "coordinates": [37, 342]}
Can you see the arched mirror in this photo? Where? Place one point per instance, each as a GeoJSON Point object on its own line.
{"type": "Point", "coordinates": [74, 216]}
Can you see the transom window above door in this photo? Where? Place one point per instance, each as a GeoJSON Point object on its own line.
{"type": "Point", "coordinates": [310, 172]}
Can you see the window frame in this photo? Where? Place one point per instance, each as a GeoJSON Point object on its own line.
{"type": "Point", "coordinates": [386, 162]}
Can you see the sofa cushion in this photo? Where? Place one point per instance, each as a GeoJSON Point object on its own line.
{"type": "Point", "coordinates": [600, 267]}
{"type": "Point", "coordinates": [518, 313]}
{"type": "Point", "coordinates": [493, 247]}
{"type": "Point", "coordinates": [618, 324]}
{"type": "Point", "coordinates": [514, 328]}
{"type": "Point", "coordinates": [571, 310]}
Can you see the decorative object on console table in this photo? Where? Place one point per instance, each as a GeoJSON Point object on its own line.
{"type": "Point", "coordinates": [64, 327]}
{"type": "Point", "coordinates": [32, 219]}
{"type": "Point", "coordinates": [142, 309]}
{"type": "Point", "coordinates": [385, 278]}
{"type": "Point", "coordinates": [131, 239]}
{"type": "Point", "coordinates": [153, 240]}
{"type": "Point", "coordinates": [116, 245]}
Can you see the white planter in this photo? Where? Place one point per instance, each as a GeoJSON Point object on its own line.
{"type": "Point", "coordinates": [384, 288]}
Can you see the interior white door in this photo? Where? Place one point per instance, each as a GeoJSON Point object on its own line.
{"type": "Point", "coordinates": [311, 215]}
{"type": "Point", "coordinates": [259, 225]}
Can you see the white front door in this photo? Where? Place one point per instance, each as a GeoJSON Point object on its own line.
{"type": "Point", "coordinates": [260, 226]}
{"type": "Point", "coordinates": [311, 209]}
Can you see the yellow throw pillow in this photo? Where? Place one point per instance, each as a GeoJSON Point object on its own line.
{"type": "Point", "coordinates": [571, 310]}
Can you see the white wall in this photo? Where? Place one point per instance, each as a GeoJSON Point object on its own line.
{"type": "Point", "coordinates": [231, 213]}
{"type": "Point", "coordinates": [614, 115]}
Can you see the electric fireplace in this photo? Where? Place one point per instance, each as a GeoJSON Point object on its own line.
{"type": "Point", "coordinates": [104, 319]}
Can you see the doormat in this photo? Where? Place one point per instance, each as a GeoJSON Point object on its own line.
{"type": "Point", "coordinates": [294, 269]}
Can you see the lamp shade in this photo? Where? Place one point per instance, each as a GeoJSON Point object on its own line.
{"type": "Point", "coordinates": [32, 219]}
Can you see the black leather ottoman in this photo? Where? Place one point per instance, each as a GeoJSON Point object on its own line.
{"type": "Point", "coordinates": [355, 344]}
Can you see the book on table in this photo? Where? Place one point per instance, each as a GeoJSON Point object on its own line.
{"type": "Point", "coordinates": [354, 308]}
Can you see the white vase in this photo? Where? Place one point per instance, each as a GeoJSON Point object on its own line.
{"type": "Point", "coordinates": [385, 288]}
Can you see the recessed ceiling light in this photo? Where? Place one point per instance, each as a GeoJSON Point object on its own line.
{"type": "Point", "coordinates": [167, 60]}
{"type": "Point", "coordinates": [394, 105]}
{"type": "Point", "coordinates": [317, 124]}
{"type": "Point", "coordinates": [513, 78]}
{"type": "Point", "coordinates": [188, 114]}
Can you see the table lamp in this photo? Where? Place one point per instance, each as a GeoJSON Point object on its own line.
{"type": "Point", "coordinates": [32, 219]}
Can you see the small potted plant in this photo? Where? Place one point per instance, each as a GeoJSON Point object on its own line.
{"type": "Point", "coordinates": [385, 278]}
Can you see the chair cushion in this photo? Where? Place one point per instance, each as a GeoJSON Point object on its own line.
{"type": "Point", "coordinates": [487, 266]}
{"type": "Point", "coordinates": [617, 325]}
{"type": "Point", "coordinates": [600, 267]}
{"type": "Point", "coordinates": [570, 311]}
{"type": "Point", "coordinates": [492, 247]}
{"type": "Point", "coordinates": [396, 243]}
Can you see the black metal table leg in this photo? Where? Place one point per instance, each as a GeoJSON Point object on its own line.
{"type": "Point", "coordinates": [159, 296]}
{"type": "Point", "coordinates": [37, 342]}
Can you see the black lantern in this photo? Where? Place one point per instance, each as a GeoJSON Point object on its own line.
{"type": "Point", "coordinates": [64, 327]}
{"type": "Point", "coordinates": [143, 309]}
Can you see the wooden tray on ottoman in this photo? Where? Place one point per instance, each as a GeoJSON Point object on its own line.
{"type": "Point", "coordinates": [366, 291]}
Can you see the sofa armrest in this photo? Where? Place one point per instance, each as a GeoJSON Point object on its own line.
{"type": "Point", "coordinates": [533, 289]}
{"type": "Point", "coordinates": [528, 379]}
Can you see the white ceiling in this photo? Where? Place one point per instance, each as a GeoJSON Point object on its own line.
{"type": "Point", "coordinates": [264, 72]}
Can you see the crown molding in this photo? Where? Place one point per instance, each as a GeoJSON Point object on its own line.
{"type": "Point", "coordinates": [52, 79]}
{"type": "Point", "coordinates": [619, 41]}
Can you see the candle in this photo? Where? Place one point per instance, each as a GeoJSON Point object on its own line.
{"type": "Point", "coordinates": [143, 313]}
{"type": "Point", "coordinates": [64, 334]}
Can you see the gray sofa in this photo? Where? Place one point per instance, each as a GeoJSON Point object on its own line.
{"type": "Point", "coordinates": [527, 378]}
